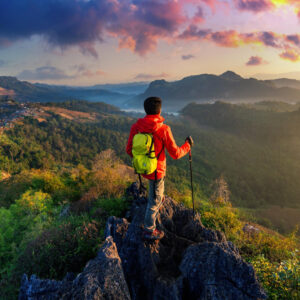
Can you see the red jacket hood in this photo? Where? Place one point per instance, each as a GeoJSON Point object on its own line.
{"type": "Point", "coordinates": [150, 123]}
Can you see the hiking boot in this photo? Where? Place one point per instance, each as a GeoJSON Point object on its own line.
{"type": "Point", "coordinates": [152, 236]}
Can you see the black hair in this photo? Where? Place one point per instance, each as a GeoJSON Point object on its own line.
{"type": "Point", "coordinates": [152, 105]}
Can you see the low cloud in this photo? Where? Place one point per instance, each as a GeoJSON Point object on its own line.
{"type": "Point", "coordinates": [89, 73]}
{"type": "Point", "coordinates": [255, 61]}
{"type": "Point", "coordinates": [145, 76]}
{"type": "Point", "coordinates": [44, 73]}
{"type": "Point", "coordinates": [188, 56]}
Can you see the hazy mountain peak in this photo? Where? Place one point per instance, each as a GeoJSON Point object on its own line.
{"type": "Point", "coordinates": [231, 76]}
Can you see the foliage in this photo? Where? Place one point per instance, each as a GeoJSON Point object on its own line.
{"type": "Point", "coordinates": [281, 280]}
{"type": "Point", "coordinates": [65, 247]}
{"type": "Point", "coordinates": [221, 217]}
{"type": "Point", "coordinates": [36, 238]}
{"type": "Point", "coordinates": [275, 258]}
{"type": "Point", "coordinates": [63, 165]}
{"type": "Point", "coordinates": [85, 106]}
{"type": "Point", "coordinates": [24, 220]}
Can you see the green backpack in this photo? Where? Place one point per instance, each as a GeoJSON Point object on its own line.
{"type": "Point", "coordinates": [144, 159]}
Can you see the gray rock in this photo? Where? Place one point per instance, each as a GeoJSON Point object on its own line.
{"type": "Point", "coordinates": [102, 278]}
{"type": "Point", "coordinates": [190, 262]}
{"type": "Point", "coordinates": [212, 272]}
{"type": "Point", "coordinates": [180, 265]}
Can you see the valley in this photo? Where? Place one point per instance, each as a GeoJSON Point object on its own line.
{"type": "Point", "coordinates": [64, 171]}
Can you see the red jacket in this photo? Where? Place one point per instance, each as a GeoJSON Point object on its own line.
{"type": "Point", "coordinates": [163, 138]}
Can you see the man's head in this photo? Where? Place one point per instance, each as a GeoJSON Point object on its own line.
{"type": "Point", "coordinates": [152, 105]}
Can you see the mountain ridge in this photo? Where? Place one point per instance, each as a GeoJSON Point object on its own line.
{"type": "Point", "coordinates": [209, 87]}
{"type": "Point", "coordinates": [25, 91]}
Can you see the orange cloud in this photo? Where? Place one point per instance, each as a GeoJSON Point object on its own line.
{"type": "Point", "coordinates": [233, 39]}
{"type": "Point", "coordinates": [265, 5]}
{"type": "Point", "coordinates": [290, 55]}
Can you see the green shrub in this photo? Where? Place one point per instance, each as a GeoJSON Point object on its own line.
{"type": "Point", "coordinates": [112, 206]}
{"type": "Point", "coordinates": [223, 218]}
{"type": "Point", "coordinates": [64, 247]}
{"type": "Point", "coordinates": [274, 248]}
{"type": "Point", "coordinates": [20, 223]}
{"type": "Point", "coordinates": [280, 280]}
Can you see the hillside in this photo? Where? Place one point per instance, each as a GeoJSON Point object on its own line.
{"type": "Point", "coordinates": [248, 146]}
{"type": "Point", "coordinates": [285, 82]}
{"type": "Point", "coordinates": [24, 91]}
{"type": "Point", "coordinates": [206, 87]}
{"type": "Point", "coordinates": [63, 232]}
{"type": "Point", "coordinates": [60, 182]}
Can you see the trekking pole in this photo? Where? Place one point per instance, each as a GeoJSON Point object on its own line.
{"type": "Point", "coordinates": [192, 188]}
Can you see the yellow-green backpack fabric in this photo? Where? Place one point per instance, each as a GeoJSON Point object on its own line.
{"type": "Point", "coordinates": [144, 159]}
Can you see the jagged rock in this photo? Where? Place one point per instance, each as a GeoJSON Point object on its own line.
{"type": "Point", "coordinates": [212, 272]}
{"type": "Point", "coordinates": [102, 278]}
{"type": "Point", "coordinates": [190, 262]}
{"type": "Point", "coordinates": [162, 270]}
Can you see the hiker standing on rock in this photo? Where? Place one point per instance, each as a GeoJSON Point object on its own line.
{"type": "Point", "coordinates": [147, 141]}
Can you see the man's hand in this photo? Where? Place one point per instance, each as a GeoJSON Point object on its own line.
{"type": "Point", "coordinates": [190, 141]}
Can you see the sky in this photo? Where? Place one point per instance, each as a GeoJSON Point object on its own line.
{"type": "Point", "coordinates": [87, 42]}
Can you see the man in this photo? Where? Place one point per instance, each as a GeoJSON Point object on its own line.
{"type": "Point", "coordinates": [163, 139]}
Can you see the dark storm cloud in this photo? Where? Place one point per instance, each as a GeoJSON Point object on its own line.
{"type": "Point", "coordinates": [137, 24]}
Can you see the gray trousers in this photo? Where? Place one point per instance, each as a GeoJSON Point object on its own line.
{"type": "Point", "coordinates": [155, 199]}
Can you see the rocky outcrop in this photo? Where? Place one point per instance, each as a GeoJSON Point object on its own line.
{"type": "Point", "coordinates": [102, 278]}
{"type": "Point", "coordinates": [190, 262]}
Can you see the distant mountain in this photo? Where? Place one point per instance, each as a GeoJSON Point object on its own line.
{"type": "Point", "coordinates": [285, 82]}
{"type": "Point", "coordinates": [131, 88]}
{"type": "Point", "coordinates": [25, 91]}
{"type": "Point", "coordinates": [28, 92]}
{"type": "Point", "coordinates": [206, 87]}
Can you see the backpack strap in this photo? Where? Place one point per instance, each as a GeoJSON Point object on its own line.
{"type": "Point", "coordinates": [150, 151]}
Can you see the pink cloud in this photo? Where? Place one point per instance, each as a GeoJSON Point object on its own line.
{"type": "Point", "coordinates": [147, 76]}
{"type": "Point", "coordinates": [233, 39]}
{"type": "Point", "coordinates": [257, 6]}
{"type": "Point", "coordinates": [198, 16]}
{"type": "Point", "coordinates": [255, 61]}
{"type": "Point", "coordinates": [138, 25]}
{"type": "Point", "coordinates": [290, 55]}
{"type": "Point", "coordinates": [254, 5]}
